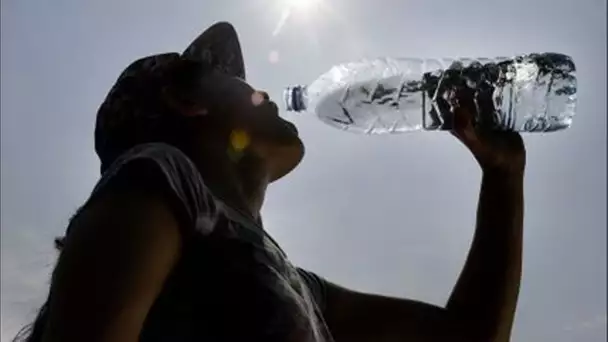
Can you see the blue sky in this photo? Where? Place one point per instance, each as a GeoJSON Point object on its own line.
{"type": "Point", "coordinates": [415, 192]}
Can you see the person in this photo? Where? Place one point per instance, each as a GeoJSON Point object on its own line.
{"type": "Point", "coordinates": [170, 245]}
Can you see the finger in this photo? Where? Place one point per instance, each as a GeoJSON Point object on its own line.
{"type": "Point", "coordinates": [485, 108]}
{"type": "Point", "coordinates": [464, 109]}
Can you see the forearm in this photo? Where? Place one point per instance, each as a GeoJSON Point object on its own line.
{"type": "Point", "coordinates": [485, 295]}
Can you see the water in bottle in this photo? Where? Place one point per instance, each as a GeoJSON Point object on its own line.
{"type": "Point", "coordinates": [527, 93]}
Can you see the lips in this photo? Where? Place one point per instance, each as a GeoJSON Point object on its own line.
{"type": "Point", "coordinates": [269, 120]}
{"type": "Point", "coordinates": [291, 126]}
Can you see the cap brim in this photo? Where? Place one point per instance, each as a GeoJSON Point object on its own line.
{"type": "Point", "coordinates": [219, 47]}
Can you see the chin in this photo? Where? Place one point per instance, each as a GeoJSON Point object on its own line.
{"type": "Point", "coordinates": [285, 157]}
{"type": "Point", "coordinates": [283, 148]}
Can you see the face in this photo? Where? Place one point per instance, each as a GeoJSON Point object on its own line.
{"type": "Point", "coordinates": [274, 140]}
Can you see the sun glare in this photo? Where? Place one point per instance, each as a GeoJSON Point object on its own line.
{"type": "Point", "coordinates": [306, 10]}
{"type": "Point", "coordinates": [302, 5]}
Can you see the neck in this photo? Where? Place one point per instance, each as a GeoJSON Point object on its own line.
{"type": "Point", "coordinates": [241, 184]}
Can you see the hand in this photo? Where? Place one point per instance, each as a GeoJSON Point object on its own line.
{"type": "Point", "coordinates": [496, 151]}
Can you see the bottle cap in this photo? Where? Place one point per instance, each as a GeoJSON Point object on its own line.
{"type": "Point", "coordinates": [294, 98]}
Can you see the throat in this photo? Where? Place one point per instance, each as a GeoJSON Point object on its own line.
{"type": "Point", "coordinates": [239, 185]}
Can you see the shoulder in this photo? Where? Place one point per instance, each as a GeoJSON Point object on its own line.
{"type": "Point", "coordinates": [152, 158]}
{"type": "Point", "coordinates": [121, 247]}
{"type": "Point", "coordinates": [316, 286]}
{"type": "Point", "coordinates": [160, 171]}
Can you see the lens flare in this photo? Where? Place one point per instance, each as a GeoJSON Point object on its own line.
{"type": "Point", "coordinates": [297, 8]}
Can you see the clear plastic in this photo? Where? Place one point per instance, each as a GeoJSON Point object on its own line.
{"type": "Point", "coordinates": [529, 93]}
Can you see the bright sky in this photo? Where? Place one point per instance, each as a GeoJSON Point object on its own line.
{"type": "Point", "coordinates": [388, 214]}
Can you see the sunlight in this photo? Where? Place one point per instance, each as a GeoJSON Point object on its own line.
{"type": "Point", "coordinates": [284, 16]}
{"type": "Point", "coordinates": [302, 5]}
{"type": "Point", "coordinates": [304, 8]}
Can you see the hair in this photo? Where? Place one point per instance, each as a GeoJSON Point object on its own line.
{"type": "Point", "coordinates": [33, 332]}
{"type": "Point", "coordinates": [172, 128]}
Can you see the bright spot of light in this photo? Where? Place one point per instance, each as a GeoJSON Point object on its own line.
{"type": "Point", "coordinates": [273, 57]}
{"type": "Point", "coordinates": [294, 8]}
{"type": "Point", "coordinates": [302, 5]}
{"type": "Point", "coordinates": [282, 21]}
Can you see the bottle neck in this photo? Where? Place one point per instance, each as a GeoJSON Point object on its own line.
{"type": "Point", "coordinates": [296, 98]}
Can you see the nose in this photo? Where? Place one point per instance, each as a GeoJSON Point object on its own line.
{"type": "Point", "coordinates": [265, 95]}
{"type": "Point", "coordinates": [259, 97]}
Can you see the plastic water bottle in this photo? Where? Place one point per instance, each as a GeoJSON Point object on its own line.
{"type": "Point", "coordinates": [527, 93]}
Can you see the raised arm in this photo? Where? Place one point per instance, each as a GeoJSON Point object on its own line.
{"type": "Point", "coordinates": [488, 287]}
{"type": "Point", "coordinates": [487, 290]}
{"type": "Point", "coordinates": [482, 304]}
